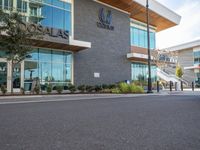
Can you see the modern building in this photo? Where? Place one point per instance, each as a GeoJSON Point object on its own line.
{"type": "Point", "coordinates": [107, 41]}
{"type": "Point", "coordinates": [189, 59]}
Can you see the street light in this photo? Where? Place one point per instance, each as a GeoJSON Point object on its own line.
{"type": "Point", "coordinates": [149, 53]}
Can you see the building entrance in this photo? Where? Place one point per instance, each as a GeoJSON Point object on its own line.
{"type": "Point", "coordinates": [17, 76]}
{"type": "Point", "coordinates": [3, 74]}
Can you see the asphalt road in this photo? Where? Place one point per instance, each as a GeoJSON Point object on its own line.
{"type": "Point", "coordinates": [138, 123]}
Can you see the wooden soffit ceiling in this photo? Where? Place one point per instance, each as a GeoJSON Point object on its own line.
{"type": "Point", "coordinates": [138, 12]}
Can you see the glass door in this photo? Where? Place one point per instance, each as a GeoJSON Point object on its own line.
{"type": "Point", "coordinates": [17, 76]}
{"type": "Point", "coordinates": [3, 74]}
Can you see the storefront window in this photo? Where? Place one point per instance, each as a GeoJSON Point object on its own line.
{"type": "Point", "coordinates": [68, 72]}
{"type": "Point", "coordinates": [140, 72]}
{"type": "Point", "coordinates": [31, 70]}
{"type": "Point", "coordinates": [45, 55]}
{"type": "Point", "coordinates": [34, 55]}
{"type": "Point", "coordinates": [52, 66]}
{"type": "Point", "coordinates": [45, 72]}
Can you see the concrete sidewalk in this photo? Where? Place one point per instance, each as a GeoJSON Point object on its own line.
{"type": "Point", "coordinates": [57, 98]}
{"type": "Point", "coordinates": [184, 92]}
{"type": "Point", "coordinates": [70, 97]}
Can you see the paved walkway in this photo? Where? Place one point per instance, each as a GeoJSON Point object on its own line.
{"type": "Point", "coordinates": [70, 97]}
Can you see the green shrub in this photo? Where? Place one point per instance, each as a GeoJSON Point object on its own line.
{"type": "Point", "coordinates": [140, 83]}
{"type": "Point", "coordinates": [107, 90]}
{"type": "Point", "coordinates": [82, 88]}
{"type": "Point", "coordinates": [72, 88]}
{"type": "Point", "coordinates": [179, 71]}
{"type": "Point", "coordinates": [124, 87]}
{"type": "Point", "coordinates": [89, 88]}
{"type": "Point", "coordinates": [112, 86]}
{"type": "Point", "coordinates": [49, 88]}
{"type": "Point", "coordinates": [105, 86]}
{"type": "Point", "coordinates": [130, 88]}
{"type": "Point", "coordinates": [135, 89]}
{"type": "Point", "coordinates": [59, 89]}
{"type": "Point", "coordinates": [65, 87]}
{"type": "Point", "coordinates": [115, 91]}
{"type": "Point", "coordinates": [37, 89]}
{"type": "Point", "coordinates": [22, 90]}
{"type": "Point", "coordinates": [97, 88]}
{"type": "Point", "coordinates": [3, 89]}
{"type": "Point", "coordinates": [139, 90]}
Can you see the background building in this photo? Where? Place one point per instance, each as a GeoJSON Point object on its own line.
{"type": "Point", "coordinates": [189, 59]}
{"type": "Point", "coordinates": [116, 47]}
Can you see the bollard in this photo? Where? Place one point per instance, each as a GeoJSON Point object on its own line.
{"type": "Point", "coordinates": [170, 85]}
{"type": "Point", "coordinates": [181, 85]}
{"type": "Point", "coordinates": [158, 87]}
{"type": "Point", "coordinates": [192, 86]}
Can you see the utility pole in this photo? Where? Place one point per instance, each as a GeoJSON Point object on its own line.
{"type": "Point", "coordinates": [149, 52]}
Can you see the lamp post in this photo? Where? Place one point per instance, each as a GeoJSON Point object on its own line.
{"type": "Point", "coordinates": [149, 53]}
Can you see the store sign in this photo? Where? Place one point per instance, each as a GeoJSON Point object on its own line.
{"type": "Point", "coordinates": [45, 30]}
{"type": "Point", "coordinates": [97, 75]}
{"type": "Point", "coordinates": [105, 19]}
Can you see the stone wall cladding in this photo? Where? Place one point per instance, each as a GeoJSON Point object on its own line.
{"type": "Point", "coordinates": [109, 48]}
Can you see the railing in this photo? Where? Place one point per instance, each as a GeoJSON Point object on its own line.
{"type": "Point", "coordinates": [180, 79]}
{"type": "Point", "coordinates": [36, 2]}
{"type": "Point", "coordinates": [168, 77]}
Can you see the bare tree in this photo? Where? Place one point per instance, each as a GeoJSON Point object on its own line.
{"type": "Point", "coordinates": [164, 58]}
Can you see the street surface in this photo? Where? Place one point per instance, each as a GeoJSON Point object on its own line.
{"type": "Point", "coordinates": [155, 122]}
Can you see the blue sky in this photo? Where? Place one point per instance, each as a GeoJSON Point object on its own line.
{"type": "Point", "coordinates": [189, 28]}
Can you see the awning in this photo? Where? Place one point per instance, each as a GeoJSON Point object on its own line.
{"type": "Point", "coordinates": [160, 16]}
{"type": "Point", "coordinates": [62, 44]}
{"type": "Point", "coordinates": [192, 67]}
{"type": "Point", "coordinates": [137, 57]}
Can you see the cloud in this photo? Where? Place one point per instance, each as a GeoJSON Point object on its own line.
{"type": "Point", "coordinates": [188, 28]}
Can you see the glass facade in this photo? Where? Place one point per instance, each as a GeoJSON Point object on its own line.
{"type": "Point", "coordinates": [197, 80]}
{"type": "Point", "coordinates": [51, 13]}
{"type": "Point", "coordinates": [139, 38]}
{"type": "Point", "coordinates": [197, 58]}
{"type": "Point", "coordinates": [197, 62]}
{"type": "Point", "coordinates": [17, 76]}
{"type": "Point", "coordinates": [140, 72]}
{"type": "Point", "coordinates": [21, 6]}
{"type": "Point", "coordinates": [49, 66]}
{"type": "Point", "coordinates": [8, 4]}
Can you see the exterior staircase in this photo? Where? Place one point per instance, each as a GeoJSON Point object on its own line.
{"type": "Point", "coordinates": [170, 77]}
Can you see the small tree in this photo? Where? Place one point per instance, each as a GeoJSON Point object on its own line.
{"type": "Point", "coordinates": [14, 39]}
{"type": "Point", "coordinates": [179, 71]}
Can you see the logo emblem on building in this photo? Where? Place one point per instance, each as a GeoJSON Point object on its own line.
{"type": "Point", "coordinates": [105, 19]}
